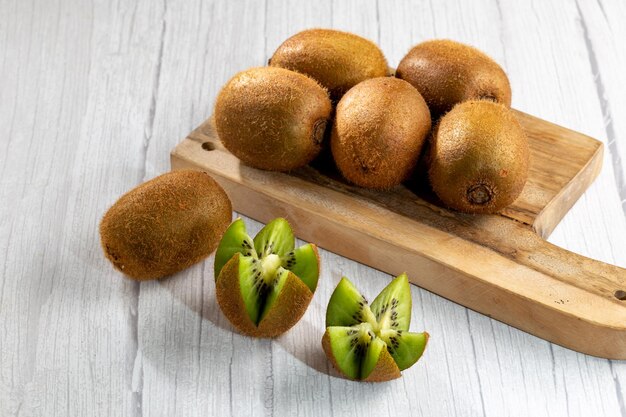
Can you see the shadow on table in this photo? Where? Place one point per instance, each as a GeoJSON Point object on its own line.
{"type": "Point", "coordinates": [303, 341]}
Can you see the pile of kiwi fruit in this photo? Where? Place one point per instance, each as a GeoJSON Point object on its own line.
{"type": "Point", "coordinates": [446, 106]}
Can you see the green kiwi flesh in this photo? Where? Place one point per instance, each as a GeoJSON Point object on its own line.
{"type": "Point", "coordinates": [272, 118]}
{"type": "Point", "coordinates": [405, 347]}
{"type": "Point", "coordinates": [258, 287]}
{"type": "Point", "coordinates": [235, 240]}
{"type": "Point", "coordinates": [337, 60]}
{"type": "Point", "coordinates": [392, 307]}
{"type": "Point", "coordinates": [304, 263]}
{"type": "Point", "coordinates": [372, 346]}
{"type": "Point", "coordinates": [349, 345]}
{"type": "Point", "coordinates": [165, 225]}
{"type": "Point", "coordinates": [275, 238]}
{"type": "Point", "coordinates": [347, 307]}
{"type": "Point", "coordinates": [380, 127]}
{"type": "Point", "coordinates": [479, 158]}
{"type": "Point", "coordinates": [446, 72]}
{"type": "Point", "coordinates": [375, 349]}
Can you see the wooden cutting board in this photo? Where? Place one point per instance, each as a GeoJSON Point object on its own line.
{"type": "Point", "coordinates": [499, 265]}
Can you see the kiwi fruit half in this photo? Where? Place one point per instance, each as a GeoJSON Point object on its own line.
{"type": "Point", "coordinates": [165, 225]}
{"type": "Point", "coordinates": [272, 118]}
{"type": "Point", "coordinates": [264, 285]}
{"type": "Point", "coordinates": [479, 157]}
{"type": "Point", "coordinates": [337, 60]}
{"type": "Point", "coordinates": [447, 72]}
{"type": "Point", "coordinates": [372, 343]}
{"type": "Point", "coordinates": [378, 132]}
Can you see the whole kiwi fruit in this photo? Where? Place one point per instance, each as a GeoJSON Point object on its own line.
{"type": "Point", "coordinates": [378, 133]}
{"type": "Point", "coordinates": [447, 72]}
{"type": "Point", "coordinates": [272, 118]}
{"type": "Point", "coordinates": [479, 157]}
{"type": "Point", "coordinates": [337, 60]}
{"type": "Point", "coordinates": [165, 225]}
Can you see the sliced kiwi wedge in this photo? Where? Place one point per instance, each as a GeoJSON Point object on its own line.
{"type": "Point", "coordinates": [405, 347]}
{"type": "Point", "coordinates": [392, 307]}
{"type": "Point", "coordinates": [372, 343]}
{"type": "Point", "coordinates": [347, 307]}
{"type": "Point", "coordinates": [235, 240]}
{"type": "Point", "coordinates": [276, 238]}
{"type": "Point", "coordinates": [264, 285]}
{"type": "Point", "coordinates": [304, 263]}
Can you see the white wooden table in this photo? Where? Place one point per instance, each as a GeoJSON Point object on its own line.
{"type": "Point", "coordinates": [94, 94]}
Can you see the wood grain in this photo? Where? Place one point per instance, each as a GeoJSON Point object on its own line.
{"type": "Point", "coordinates": [94, 95]}
{"type": "Point", "coordinates": [563, 165]}
{"type": "Point", "coordinates": [68, 331]}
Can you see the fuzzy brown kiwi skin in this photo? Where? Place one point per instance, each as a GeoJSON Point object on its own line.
{"type": "Point", "coordinates": [385, 369]}
{"type": "Point", "coordinates": [479, 158]}
{"type": "Point", "coordinates": [337, 60]}
{"type": "Point", "coordinates": [289, 306]}
{"type": "Point", "coordinates": [165, 225]}
{"type": "Point", "coordinates": [447, 72]}
{"type": "Point", "coordinates": [379, 130]}
{"type": "Point", "coordinates": [272, 118]}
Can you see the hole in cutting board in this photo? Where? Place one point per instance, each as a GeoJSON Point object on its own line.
{"type": "Point", "coordinates": [208, 146]}
{"type": "Point", "coordinates": [620, 294]}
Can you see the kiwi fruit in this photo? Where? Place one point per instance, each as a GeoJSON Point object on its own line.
{"type": "Point", "coordinates": [447, 72]}
{"type": "Point", "coordinates": [264, 285]}
{"type": "Point", "coordinates": [479, 157]}
{"type": "Point", "coordinates": [372, 343]}
{"type": "Point", "coordinates": [337, 60]}
{"type": "Point", "coordinates": [165, 225]}
{"type": "Point", "coordinates": [272, 118]}
{"type": "Point", "coordinates": [378, 132]}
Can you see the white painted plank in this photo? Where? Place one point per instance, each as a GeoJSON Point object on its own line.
{"type": "Point", "coordinates": [602, 26]}
{"type": "Point", "coordinates": [73, 100]}
{"type": "Point", "coordinates": [285, 18]}
{"type": "Point", "coordinates": [552, 79]}
{"type": "Point", "coordinates": [192, 362]}
{"type": "Point", "coordinates": [604, 32]}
